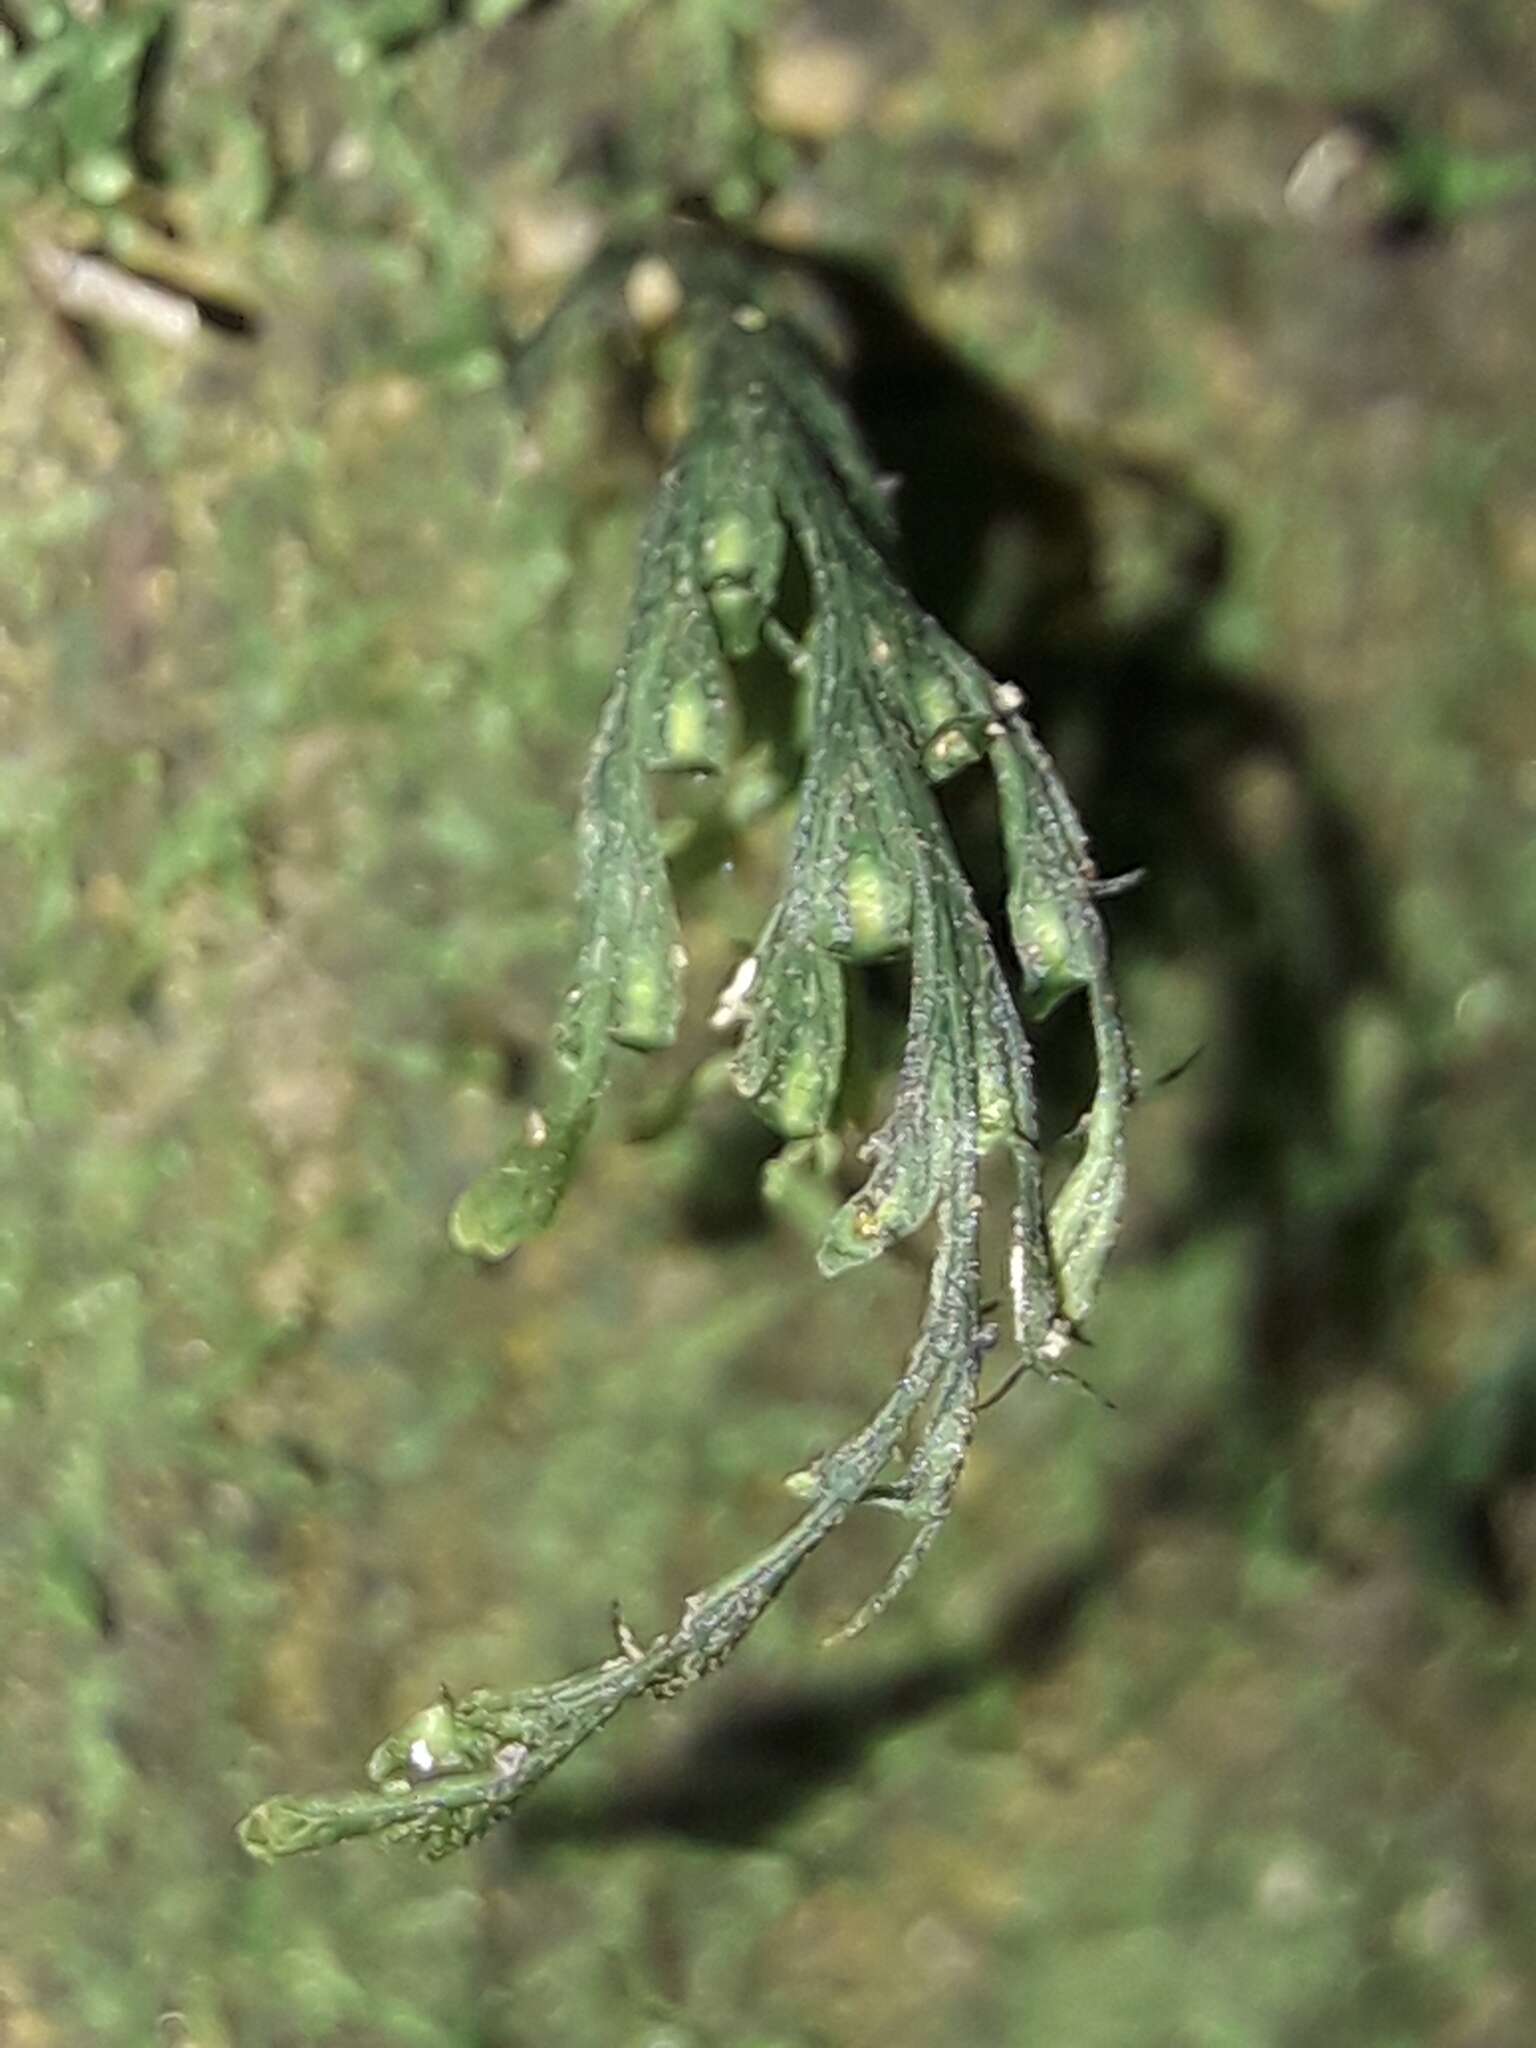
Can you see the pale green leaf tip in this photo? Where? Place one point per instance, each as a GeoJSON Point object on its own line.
{"type": "Point", "coordinates": [501, 1211]}
{"type": "Point", "coordinates": [277, 1828]}
{"type": "Point", "coordinates": [851, 1239]}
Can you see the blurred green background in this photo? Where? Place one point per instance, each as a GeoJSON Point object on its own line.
{"type": "Point", "coordinates": [1207, 360]}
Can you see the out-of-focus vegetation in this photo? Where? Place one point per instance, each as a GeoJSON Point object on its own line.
{"type": "Point", "coordinates": [1216, 1722]}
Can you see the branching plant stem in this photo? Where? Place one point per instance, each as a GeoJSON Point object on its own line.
{"type": "Point", "coordinates": [890, 707]}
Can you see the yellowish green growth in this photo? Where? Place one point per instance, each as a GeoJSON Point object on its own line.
{"type": "Point", "coordinates": [879, 902]}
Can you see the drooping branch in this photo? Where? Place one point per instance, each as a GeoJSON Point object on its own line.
{"type": "Point", "coordinates": [891, 707]}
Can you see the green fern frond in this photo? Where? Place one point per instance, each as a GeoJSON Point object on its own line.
{"type": "Point", "coordinates": [892, 706]}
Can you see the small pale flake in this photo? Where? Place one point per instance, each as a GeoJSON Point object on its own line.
{"type": "Point", "coordinates": [91, 288]}
{"type": "Point", "coordinates": [535, 1129]}
{"type": "Point", "coordinates": [1056, 1343]}
{"type": "Point", "coordinates": [510, 1759]}
{"type": "Point", "coordinates": [811, 85]}
{"type": "Point", "coordinates": [730, 1008]}
{"type": "Point", "coordinates": [1018, 1280]}
{"type": "Point", "coordinates": [653, 293]}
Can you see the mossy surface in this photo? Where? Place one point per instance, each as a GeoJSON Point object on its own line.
{"type": "Point", "coordinates": [1212, 1719]}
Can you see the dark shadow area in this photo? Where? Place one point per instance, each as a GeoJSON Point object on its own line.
{"type": "Point", "coordinates": [148, 98]}
{"type": "Point", "coordinates": [1467, 1493]}
{"type": "Point", "coordinates": [1089, 580]}
{"type": "Point", "coordinates": [20, 33]}
{"type": "Point", "coordinates": [447, 14]}
{"type": "Point", "coordinates": [225, 317]}
{"type": "Point", "coordinates": [1201, 774]}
